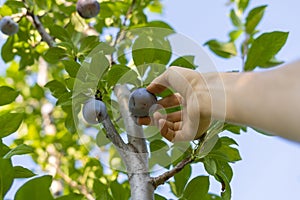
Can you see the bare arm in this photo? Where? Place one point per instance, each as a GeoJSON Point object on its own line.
{"type": "Point", "coordinates": [268, 100]}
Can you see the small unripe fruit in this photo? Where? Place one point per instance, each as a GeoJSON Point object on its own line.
{"type": "Point", "coordinates": [88, 8]}
{"type": "Point", "coordinates": [141, 102]}
{"type": "Point", "coordinates": [94, 111]}
{"type": "Point", "coordinates": [8, 26]}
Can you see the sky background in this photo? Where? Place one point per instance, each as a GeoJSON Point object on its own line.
{"type": "Point", "coordinates": [270, 168]}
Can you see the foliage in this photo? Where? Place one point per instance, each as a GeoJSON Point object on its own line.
{"type": "Point", "coordinates": [42, 101]}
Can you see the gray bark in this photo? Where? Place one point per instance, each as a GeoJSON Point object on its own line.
{"type": "Point", "coordinates": [136, 161]}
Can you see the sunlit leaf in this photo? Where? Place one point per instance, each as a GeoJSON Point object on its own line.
{"type": "Point", "coordinates": [6, 176]}
{"type": "Point", "coordinates": [197, 188]}
{"type": "Point", "coordinates": [236, 21]}
{"type": "Point", "coordinates": [222, 49]}
{"type": "Point", "coordinates": [185, 61]}
{"type": "Point", "coordinates": [7, 95]}
{"type": "Point", "coordinates": [254, 17]}
{"type": "Point", "coordinates": [181, 180]}
{"type": "Point", "coordinates": [19, 150]}
{"type": "Point", "coordinates": [264, 48]}
{"type": "Point", "coordinates": [35, 189]}
{"type": "Point", "coordinates": [9, 123]}
{"type": "Point", "coordinates": [21, 172]}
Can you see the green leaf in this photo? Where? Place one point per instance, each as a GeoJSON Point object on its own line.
{"type": "Point", "coordinates": [71, 67]}
{"type": "Point", "coordinates": [165, 30]}
{"type": "Point", "coordinates": [98, 65]}
{"type": "Point", "coordinates": [54, 55]}
{"type": "Point", "coordinates": [234, 128]}
{"type": "Point", "coordinates": [224, 151]}
{"type": "Point", "coordinates": [185, 61]}
{"type": "Point", "coordinates": [236, 21]}
{"type": "Point", "coordinates": [21, 172]}
{"type": "Point", "coordinates": [156, 7]}
{"type": "Point", "coordinates": [101, 191]}
{"type": "Point", "coordinates": [65, 99]}
{"type": "Point", "coordinates": [197, 188]}
{"type": "Point", "coordinates": [159, 155]}
{"type": "Point", "coordinates": [7, 95]}
{"type": "Point", "coordinates": [224, 176]}
{"type": "Point", "coordinates": [72, 197]}
{"type": "Point", "coordinates": [116, 73]}
{"type": "Point", "coordinates": [118, 191]}
{"type": "Point", "coordinates": [101, 139]}
{"type": "Point", "coordinates": [104, 48]}
{"type": "Point", "coordinates": [36, 189]}
{"type": "Point", "coordinates": [60, 33]}
{"type": "Point", "coordinates": [3, 149]}
{"type": "Point", "coordinates": [6, 176]}
{"type": "Point", "coordinates": [235, 34]}
{"type": "Point", "coordinates": [181, 180]}
{"type": "Point", "coordinates": [7, 50]}
{"type": "Point", "coordinates": [264, 48]}
{"type": "Point", "coordinates": [37, 92]}
{"type": "Point", "coordinates": [157, 145]}
{"type": "Point", "coordinates": [210, 166]}
{"type": "Point", "coordinates": [214, 197]}
{"type": "Point", "coordinates": [9, 123]}
{"type": "Point", "coordinates": [222, 49]}
{"type": "Point", "coordinates": [151, 49]}
{"type": "Point", "coordinates": [271, 63]}
{"type": "Point", "coordinates": [87, 44]}
{"type": "Point", "coordinates": [243, 4]}
{"type": "Point", "coordinates": [253, 18]}
{"type": "Point", "coordinates": [159, 197]}
{"type": "Point", "coordinates": [57, 88]}
{"type": "Point", "coordinates": [19, 150]}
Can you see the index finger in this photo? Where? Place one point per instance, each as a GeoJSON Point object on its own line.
{"type": "Point", "coordinates": [176, 78]}
{"type": "Point", "coordinates": [155, 88]}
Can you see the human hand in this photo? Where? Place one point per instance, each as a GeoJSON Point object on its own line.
{"type": "Point", "coordinates": [192, 94]}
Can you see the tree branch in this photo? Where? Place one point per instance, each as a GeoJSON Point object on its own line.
{"type": "Point", "coordinates": [113, 134]}
{"type": "Point", "coordinates": [120, 34]}
{"type": "Point", "coordinates": [156, 181]}
{"type": "Point", "coordinates": [40, 28]}
{"type": "Point", "coordinates": [136, 163]}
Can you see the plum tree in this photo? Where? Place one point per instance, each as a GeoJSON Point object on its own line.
{"type": "Point", "coordinates": [140, 102]}
{"type": "Point", "coordinates": [94, 111]}
{"type": "Point", "coordinates": [87, 8]}
{"type": "Point", "coordinates": [8, 26]}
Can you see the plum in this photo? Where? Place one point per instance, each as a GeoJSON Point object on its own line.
{"type": "Point", "coordinates": [88, 8]}
{"type": "Point", "coordinates": [94, 111]}
{"type": "Point", "coordinates": [141, 102]}
{"type": "Point", "coordinates": [8, 26]}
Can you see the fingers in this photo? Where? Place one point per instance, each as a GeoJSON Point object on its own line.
{"type": "Point", "coordinates": [177, 78]}
{"type": "Point", "coordinates": [171, 101]}
{"type": "Point", "coordinates": [172, 117]}
{"type": "Point", "coordinates": [168, 129]}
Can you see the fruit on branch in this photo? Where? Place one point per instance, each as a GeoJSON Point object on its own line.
{"type": "Point", "coordinates": [141, 102]}
{"type": "Point", "coordinates": [94, 111]}
{"type": "Point", "coordinates": [8, 26]}
{"type": "Point", "coordinates": [88, 8]}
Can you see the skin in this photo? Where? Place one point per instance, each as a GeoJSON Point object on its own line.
{"type": "Point", "coordinates": [268, 100]}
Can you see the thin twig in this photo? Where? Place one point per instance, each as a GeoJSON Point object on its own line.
{"type": "Point", "coordinates": [120, 34]}
{"type": "Point", "coordinates": [40, 28]}
{"type": "Point", "coordinates": [161, 179]}
{"type": "Point", "coordinates": [82, 188]}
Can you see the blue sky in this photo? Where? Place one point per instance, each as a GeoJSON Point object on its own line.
{"type": "Point", "coordinates": [270, 165]}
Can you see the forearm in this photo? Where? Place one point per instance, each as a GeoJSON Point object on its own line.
{"type": "Point", "coordinates": [268, 100]}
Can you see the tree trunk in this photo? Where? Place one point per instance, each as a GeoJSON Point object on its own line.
{"type": "Point", "coordinates": [136, 161]}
